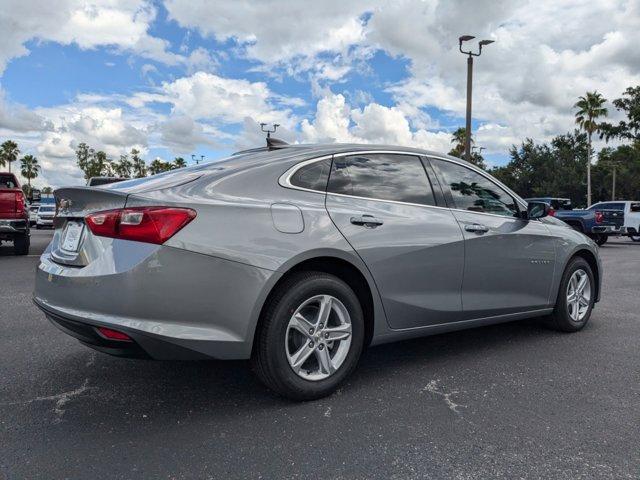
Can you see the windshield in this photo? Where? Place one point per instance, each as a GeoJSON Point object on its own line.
{"type": "Point", "coordinates": [47, 209]}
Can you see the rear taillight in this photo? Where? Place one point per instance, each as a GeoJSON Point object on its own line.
{"type": "Point", "coordinates": [20, 203]}
{"type": "Point", "coordinates": [599, 217]}
{"type": "Point", "coordinates": [552, 212]}
{"type": "Point", "coordinates": [140, 224]}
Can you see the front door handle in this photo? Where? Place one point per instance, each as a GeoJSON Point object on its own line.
{"type": "Point", "coordinates": [368, 221]}
{"type": "Point", "coordinates": [476, 228]}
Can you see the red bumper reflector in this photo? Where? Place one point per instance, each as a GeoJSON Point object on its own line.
{"type": "Point", "coordinates": [113, 334]}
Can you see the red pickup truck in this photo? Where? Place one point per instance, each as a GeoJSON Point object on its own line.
{"type": "Point", "coordinates": [14, 214]}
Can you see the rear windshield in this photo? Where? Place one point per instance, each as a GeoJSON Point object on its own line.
{"type": "Point", "coordinates": [7, 181]}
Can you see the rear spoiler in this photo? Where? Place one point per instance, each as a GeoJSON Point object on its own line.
{"type": "Point", "coordinates": [80, 201]}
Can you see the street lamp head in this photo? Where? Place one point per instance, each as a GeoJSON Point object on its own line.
{"type": "Point", "coordinates": [485, 42]}
{"type": "Point", "coordinates": [466, 38]}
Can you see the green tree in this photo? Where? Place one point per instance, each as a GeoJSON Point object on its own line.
{"type": "Point", "coordinates": [629, 128]}
{"type": "Point", "coordinates": [139, 167]}
{"type": "Point", "coordinates": [9, 152]}
{"type": "Point", "coordinates": [100, 164]}
{"type": "Point", "coordinates": [179, 162]}
{"type": "Point", "coordinates": [457, 139]}
{"type": "Point", "coordinates": [47, 190]}
{"type": "Point", "coordinates": [589, 108]}
{"type": "Point", "coordinates": [84, 156]}
{"type": "Point", "coordinates": [626, 160]}
{"type": "Point", "coordinates": [159, 166]}
{"type": "Point", "coordinates": [29, 168]}
{"type": "Point", "coordinates": [123, 167]}
{"type": "Point", "coordinates": [541, 170]}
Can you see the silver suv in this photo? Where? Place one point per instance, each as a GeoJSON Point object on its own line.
{"type": "Point", "coordinates": [300, 257]}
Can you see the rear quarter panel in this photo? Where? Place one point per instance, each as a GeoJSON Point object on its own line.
{"type": "Point", "coordinates": [235, 222]}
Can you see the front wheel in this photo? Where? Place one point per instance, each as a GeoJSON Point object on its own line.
{"type": "Point", "coordinates": [575, 297]}
{"type": "Point", "coordinates": [310, 337]}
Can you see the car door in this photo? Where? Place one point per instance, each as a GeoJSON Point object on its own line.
{"type": "Point", "coordinates": [384, 205]}
{"type": "Point", "coordinates": [509, 260]}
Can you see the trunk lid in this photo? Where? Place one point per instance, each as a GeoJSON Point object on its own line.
{"type": "Point", "coordinates": [73, 243]}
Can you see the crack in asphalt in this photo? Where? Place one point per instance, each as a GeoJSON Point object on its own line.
{"type": "Point", "coordinates": [432, 387]}
{"type": "Point", "coordinates": [61, 399]}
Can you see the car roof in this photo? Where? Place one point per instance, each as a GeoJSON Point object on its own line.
{"type": "Point", "coordinates": [311, 150]}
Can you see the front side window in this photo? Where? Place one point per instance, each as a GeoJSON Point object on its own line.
{"type": "Point", "coordinates": [474, 192]}
{"type": "Point", "coordinates": [382, 176]}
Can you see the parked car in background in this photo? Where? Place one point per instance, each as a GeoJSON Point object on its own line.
{"type": "Point", "coordinates": [45, 216]}
{"type": "Point", "coordinates": [631, 211]}
{"type": "Point", "coordinates": [14, 215]}
{"type": "Point", "coordinates": [555, 203]}
{"type": "Point", "coordinates": [300, 257]}
{"type": "Point", "coordinates": [33, 213]}
{"type": "Point", "coordinates": [97, 181]}
{"type": "Point", "coordinates": [596, 223]}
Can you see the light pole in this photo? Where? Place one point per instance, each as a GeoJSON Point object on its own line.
{"type": "Point", "coordinates": [470, 55]}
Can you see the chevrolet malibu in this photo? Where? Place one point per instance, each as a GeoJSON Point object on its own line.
{"type": "Point", "coordinates": [299, 257]}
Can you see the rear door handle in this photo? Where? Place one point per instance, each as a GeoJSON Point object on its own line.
{"type": "Point", "coordinates": [368, 221]}
{"type": "Point", "coordinates": [476, 228]}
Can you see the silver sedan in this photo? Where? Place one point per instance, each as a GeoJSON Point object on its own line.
{"type": "Point", "coordinates": [299, 257]}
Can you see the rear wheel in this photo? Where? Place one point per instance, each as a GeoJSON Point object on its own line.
{"type": "Point", "coordinates": [21, 244]}
{"type": "Point", "coordinates": [310, 337]}
{"type": "Point", "coordinates": [575, 297]}
{"type": "Point", "coordinates": [601, 239]}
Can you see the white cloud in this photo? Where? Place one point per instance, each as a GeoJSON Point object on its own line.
{"type": "Point", "coordinates": [182, 134]}
{"type": "Point", "coordinates": [208, 96]}
{"type": "Point", "coordinates": [335, 121]}
{"type": "Point", "coordinates": [17, 118]}
{"type": "Point", "coordinates": [121, 24]}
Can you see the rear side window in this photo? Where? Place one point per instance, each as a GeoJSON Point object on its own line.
{"type": "Point", "coordinates": [313, 176]}
{"type": "Point", "coordinates": [382, 176]}
{"type": "Point", "coordinates": [474, 192]}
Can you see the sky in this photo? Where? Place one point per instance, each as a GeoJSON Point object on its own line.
{"type": "Point", "coordinates": [195, 77]}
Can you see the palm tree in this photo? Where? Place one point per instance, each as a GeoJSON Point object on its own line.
{"type": "Point", "coordinates": [158, 166]}
{"type": "Point", "coordinates": [457, 139]}
{"type": "Point", "coordinates": [139, 167]}
{"type": "Point", "coordinates": [179, 162]}
{"type": "Point", "coordinates": [9, 153]}
{"type": "Point", "coordinates": [29, 168]}
{"type": "Point", "coordinates": [590, 107]}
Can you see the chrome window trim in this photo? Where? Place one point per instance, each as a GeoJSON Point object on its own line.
{"type": "Point", "coordinates": [285, 180]}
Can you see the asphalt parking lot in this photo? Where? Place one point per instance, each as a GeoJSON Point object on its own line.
{"type": "Point", "coordinates": [508, 401]}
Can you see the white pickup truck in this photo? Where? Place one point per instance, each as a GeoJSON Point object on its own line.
{"type": "Point", "coordinates": [631, 211]}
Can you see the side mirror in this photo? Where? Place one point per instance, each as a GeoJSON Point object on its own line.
{"type": "Point", "coordinates": [537, 210]}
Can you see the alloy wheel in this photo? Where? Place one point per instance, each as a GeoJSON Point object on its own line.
{"type": "Point", "coordinates": [578, 295]}
{"type": "Point", "coordinates": [318, 337]}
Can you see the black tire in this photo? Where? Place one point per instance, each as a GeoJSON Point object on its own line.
{"type": "Point", "coordinates": [21, 244]}
{"type": "Point", "coordinates": [561, 319]}
{"type": "Point", "coordinates": [601, 239]}
{"type": "Point", "coordinates": [269, 358]}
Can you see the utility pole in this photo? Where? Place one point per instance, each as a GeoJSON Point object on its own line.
{"type": "Point", "coordinates": [470, 55]}
{"type": "Point", "coordinates": [613, 187]}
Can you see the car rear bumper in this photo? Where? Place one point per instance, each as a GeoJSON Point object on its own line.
{"type": "Point", "coordinates": [174, 304]}
{"type": "Point", "coordinates": [608, 229]}
{"type": "Point", "coordinates": [13, 226]}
